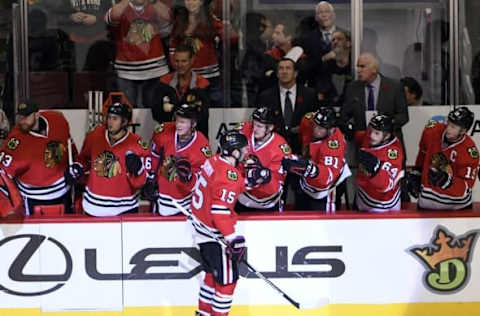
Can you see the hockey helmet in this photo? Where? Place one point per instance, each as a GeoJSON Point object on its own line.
{"type": "Point", "coordinates": [325, 117]}
{"type": "Point", "coordinates": [188, 110]}
{"type": "Point", "coordinates": [462, 117]}
{"type": "Point", "coordinates": [120, 109]}
{"type": "Point", "coordinates": [264, 115]}
{"type": "Point", "coordinates": [232, 140]}
{"type": "Point", "coordinates": [382, 123]}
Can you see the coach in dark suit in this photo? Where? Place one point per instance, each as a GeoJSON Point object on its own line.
{"type": "Point", "coordinates": [289, 101]}
{"type": "Point", "coordinates": [374, 92]}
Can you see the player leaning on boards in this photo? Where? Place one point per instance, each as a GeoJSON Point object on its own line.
{"type": "Point", "coordinates": [263, 169]}
{"type": "Point", "coordinates": [447, 163]}
{"type": "Point", "coordinates": [326, 166]}
{"type": "Point", "coordinates": [177, 150]}
{"type": "Point", "coordinates": [114, 157]}
{"type": "Point", "coordinates": [35, 156]}
{"type": "Point", "coordinates": [380, 167]}
{"type": "Point", "coordinates": [217, 187]}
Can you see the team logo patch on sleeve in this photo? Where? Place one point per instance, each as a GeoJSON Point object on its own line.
{"type": "Point", "coordinates": [392, 154]}
{"type": "Point", "coordinates": [286, 149]}
{"type": "Point", "coordinates": [142, 143]}
{"type": "Point", "coordinates": [54, 152]}
{"type": "Point", "coordinates": [13, 143]}
{"type": "Point", "coordinates": [159, 128]}
{"type": "Point", "coordinates": [232, 175]}
{"type": "Point", "coordinates": [333, 144]}
{"type": "Point", "coordinates": [473, 152]}
{"type": "Point", "coordinates": [238, 126]}
{"type": "Point", "coordinates": [207, 151]}
{"type": "Point", "coordinates": [431, 124]}
{"type": "Point", "coordinates": [309, 115]}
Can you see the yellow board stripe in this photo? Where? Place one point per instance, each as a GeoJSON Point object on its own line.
{"type": "Point", "coordinates": [414, 309]}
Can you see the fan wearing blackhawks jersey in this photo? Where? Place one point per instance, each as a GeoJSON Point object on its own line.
{"type": "Point", "coordinates": [35, 156]}
{"type": "Point", "coordinates": [217, 188]}
{"type": "Point", "coordinates": [380, 167]}
{"type": "Point", "coordinates": [115, 159]}
{"type": "Point", "coordinates": [447, 162]}
{"type": "Point", "coordinates": [264, 162]}
{"type": "Point", "coordinates": [326, 167]}
{"type": "Point", "coordinates": [178, 150]}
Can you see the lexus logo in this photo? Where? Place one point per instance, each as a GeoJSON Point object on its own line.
{"type": "Point", "coordinates": [16, 270]}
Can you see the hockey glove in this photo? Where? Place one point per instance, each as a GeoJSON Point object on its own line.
{"type": "Point", "coordinates": [183, 169]}
{"type": "Point", "coordinates": [73, 173]}
{"type": "Point", "coordinates": [413, 181]}
{"type": "Point", "coordinates": [368, 163]}
{"type": "Point", "coordinates": [439, 178]}
{"type": "Point", "coordinates": [257, 175]}
{"type": "Point", "coordinates": [150, 189]}
{"type": "Point", "coordinates": [300, 166]}
{"type": "Point", "coordinates": [236, 248]}
{"type": "Point", "coordinates": [134, 163]}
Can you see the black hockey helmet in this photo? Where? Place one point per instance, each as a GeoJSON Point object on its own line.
{"type": "Point", "coordinates": [232, 140]}
{"type": "Point", "coordinates": [120, 109]}
{"type": "Point", "coordinates": [381, 122]}
{"type": "Point", "coordinates": [325, 117]}
{"type": "Point", "coordinates": [264, 115]}
{"type": "Point", "coordinates": [188, 110]}
{"type": "Point", "coordinates": [462, 117]}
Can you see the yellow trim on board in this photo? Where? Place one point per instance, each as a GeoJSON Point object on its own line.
{"type": "Point", "coordinates": [414, 309]}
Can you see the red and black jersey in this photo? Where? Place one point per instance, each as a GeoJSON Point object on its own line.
{"type": "Point", "coordinates": [305, 129]}
{"type": "Point", "coordinates": [10, 197]}
{"type": "Point", "coordinates": [164, 143]}
{"type": "Point", "coordinates": [110, 189]}
{"type": "Point", "coordinates": [278, 54]}
{"type": "Point", "coordinates": [217, 188]}
{"type": "Point", "coordinates": [37, 162]}
{"type": "Point", "coordinates": [196, 82]}
{"type": "Point", "coordinates": [381, 193]}
{"type": "Point", "coordinates": [463, 157]}
{"type": "Point", "coordinates": [139, 49]}
{"type": "Point", "coordinates": [329, 156]}
{"type": "Point", "coordinates": [270, 155]}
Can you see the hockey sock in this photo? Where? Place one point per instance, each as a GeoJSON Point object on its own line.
{"type": "Point", "coordinates": [222, 300]}
{"type": "Point", "coordinates": [207, 290]}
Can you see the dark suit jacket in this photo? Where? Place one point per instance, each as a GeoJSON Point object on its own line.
{"type": "Point", "coordinates": [305, 102]}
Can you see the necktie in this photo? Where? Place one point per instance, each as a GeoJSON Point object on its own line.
{"type": "Point", "coordinates": [371, 98]}
{"type": "Point", "coordinates": [327, 37]}
{"type": "Point", "coordinates": [288, 110]}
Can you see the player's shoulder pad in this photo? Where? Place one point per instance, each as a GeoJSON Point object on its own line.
{"type": "Point", "coordinates": [473, 152]}
{"type": "Point", "coordinates": [333, 144]}
{"type": "Point", "coordinates": [94, 128]}
{"type": "Point", "coordinates": [239, 126]}
{"type": "Point", "coordinates": [392, 153]}
{"type": "Point", "coordinates": [144, 144]}
{"type": "Point", "coordinates": [431, 124]}
{"type": "Point", "coordinates": [308, 115]}
{"type": "Point", "coordinates": [13, 143]}
{"type": "Point", "coordinates": [286, 150]}
{"type": "Point", "coordinates": [159, 128]}
{"type": "Point", "coordinates": [207, 152]}
{"type": "Point", "coordinates": [232, 175]}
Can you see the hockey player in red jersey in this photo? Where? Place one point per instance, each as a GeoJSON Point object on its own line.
{"type": "Point", "coordinates": [10, 198]}
{"type": "Point", "coordinates": [177, 151]}
{"type": "Point", "coordinates": [266, 150]}
{"type": "Point", "coordinates": [217, 188]}
{"type": "Point", "coordinates": [35, 156]}
{"type": "Point", "coordinates": [326, 167]}
{"type": "Point", "coordinates": [114, 158]}
{"type": "Point", "coordinates": [380, 167]}
{"type": "Point", "coordinates": [448, 163]}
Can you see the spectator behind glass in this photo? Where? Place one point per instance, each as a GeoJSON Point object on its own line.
{"type": "Point", "coordinates": [198, 27]}
{"type": "Point", "coordinates": [182, 86]}
{"type": "Point", "coordinates": [336, 72]}
{"type": "Point", "coordinates": [138, 26]}
{"type": "Point", "coordinates": [83, 21]}
{"type": "Point", "coordinates": [413, 91]}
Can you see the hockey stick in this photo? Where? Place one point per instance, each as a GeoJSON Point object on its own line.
{"type": "Point", "coordinates": [70, 162]}
{"type": "Point", "coordinates": [304, 305]}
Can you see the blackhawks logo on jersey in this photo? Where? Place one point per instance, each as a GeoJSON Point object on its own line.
{"type": "Point", "coordinates": [431, 124]}
{"type": "Point", "coordinates": [238, 126]}
{"type": "Point", "coordinates": [333, 144]}
{"type": "Point", "coordinates": [473, 151]}
{"type": "Point", "coordinates": [13, 143]}
{"type": "Point", "coordinates": [207, 151]}
{"type": "Point", "coordinates": [159, 128]}
{"type": "Point", "coordinates": [285, 149]}
{"type": "Point", "coordinates": [309, 115]}
{"type": "Point", "coordinates": [107, 165]}
{"type": "Point", "coordinates": [142, 143]}
{"type": "Point", "coordinates": [392, 154]}
{"type": "Point", "coordinates": [53, 153]}
{"type": "Point", "coordinates": [232, 175]}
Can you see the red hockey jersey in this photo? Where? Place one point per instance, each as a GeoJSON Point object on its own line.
{"type": "Point", "coordinates": [329, 156]}
{"type": "Point", "coordinates": [463, 157]}
{"type": "Point", "coordinates": [270, 155]}
{"type": "Point", "coordinates": [382, 192]}
{"type": "Point", "coordinates": [217, 188]}
{"type": "Point", "coordinates": [10, 197]}
{"type": "Point", "coordinates": [110, 189]}
{"type": "Point", "coordinates": [37, 162]}
{"type": "Point", "coordinates": [139, 49]}
{"type": "Point", "coordinates": [164, 142]}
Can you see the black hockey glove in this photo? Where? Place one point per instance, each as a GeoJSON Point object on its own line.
{"type": "Point", "coordinates": [73, 173]}
{"type": "Point", "coordinates": [150, 189]}
{"type": "Point", "coordinates": [300, 166]}
{"type": "Point", "coordinates": [183, 169]}
{"type": "Point", "coordinates": [413, 181]}
{"type": "Point", "coordinates": [439, 178]}
{"type": "Point", "coordinates": [236, 248]}
{"type": "Point", "coordinates": [256, 173]}
{"type": "Point", "coordinates": [134, 163]}
{"type": "Point", "coordinates": [368, 163]}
